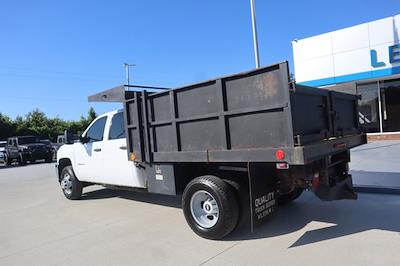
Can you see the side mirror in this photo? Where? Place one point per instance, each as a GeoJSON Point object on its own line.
{"type": "Point", "coordinates": [83, 139]}
{"type": "Point", "coordinates": [69, 137]}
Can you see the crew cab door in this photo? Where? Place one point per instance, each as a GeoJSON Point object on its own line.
{"type": "Point", "coordinates": [118, 170]}
{"type": "Point", "coordinates": [89, 155]}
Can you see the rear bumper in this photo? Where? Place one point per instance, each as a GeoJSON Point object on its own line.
{"type": "Point", "coordinates": [328, 147]}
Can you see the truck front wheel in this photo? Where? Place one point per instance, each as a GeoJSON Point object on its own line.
{"type": "Point", "coordinates": [211, 207]}
{"type": "Point", "coordinates": [71, 186]}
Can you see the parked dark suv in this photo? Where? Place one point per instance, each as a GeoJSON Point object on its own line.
{"type": "Point", "coordinates": [26, 148]}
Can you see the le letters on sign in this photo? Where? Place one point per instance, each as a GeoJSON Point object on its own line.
{"type": "Point", "coordinates": [394, 56]}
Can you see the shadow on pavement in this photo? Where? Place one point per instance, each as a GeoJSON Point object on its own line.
{"type": "Point", "coordinates": [158, 199]}
{"type": "Point", "coordinates": [369, 212]}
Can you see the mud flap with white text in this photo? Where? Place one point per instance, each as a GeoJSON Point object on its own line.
{"type": "Point", "coordinates": [262, 192]}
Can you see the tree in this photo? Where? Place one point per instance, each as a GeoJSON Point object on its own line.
{"type": "Point", "coordinates": [37, 123]}
{"type": "Point", "coordinates": [7, 127]}
{"type": "Point", "coordinates": [85, 122]}
{"type": "Point", "coordinates": [91, 115]}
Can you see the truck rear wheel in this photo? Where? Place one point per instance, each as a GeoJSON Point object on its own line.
{"type": "Point", "coordinates": [289, 197]}
{"type": "Point", "coordinates": [70, 185]}
{"type": "Point", "coordinates": [211, 207]}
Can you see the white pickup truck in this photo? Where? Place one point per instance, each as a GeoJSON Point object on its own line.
{"type": "Point", "coordinates": [233, 147]}
{"type": "Point", "coordinates": [99, 157]}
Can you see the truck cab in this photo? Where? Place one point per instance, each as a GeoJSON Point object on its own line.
{"type": "Point", "coordinates": [100, 155]}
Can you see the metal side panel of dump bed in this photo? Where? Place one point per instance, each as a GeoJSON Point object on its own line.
{"type": "Point", "coordinates": [244, 117]}
{"type": "Point", "coordinates": [241, 118]}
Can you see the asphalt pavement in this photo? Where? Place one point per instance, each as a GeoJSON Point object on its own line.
{"type": "Point", "coordinates": [38, 226]}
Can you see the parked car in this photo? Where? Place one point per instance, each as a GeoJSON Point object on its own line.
{"type": "Point", "coordinates": [52, 146]}
{"type": "Point", "coordinates": [26, 148]}
{"type": "Point", "coordinates": [2, 148]}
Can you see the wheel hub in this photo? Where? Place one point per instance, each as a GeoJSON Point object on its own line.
{"type": "Point", "coordinates": [208, 207]}
{"type": "Point", "coordinates": [66, 183]}
{"type": "Point", "coordinates": [204, 209]}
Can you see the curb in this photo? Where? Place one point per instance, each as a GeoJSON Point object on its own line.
{"type": "Point", "coordinates": [377, 190]}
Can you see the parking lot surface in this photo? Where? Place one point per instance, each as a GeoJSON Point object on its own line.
{"type": "Point", "coordinates": [376, 164]}
{"type": "Point", "coordinates": [38, 226]}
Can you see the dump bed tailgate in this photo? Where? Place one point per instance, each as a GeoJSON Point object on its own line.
{"type": "Point", "coordinates": [320, 114]}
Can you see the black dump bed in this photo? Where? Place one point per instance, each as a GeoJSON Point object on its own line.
{"type": "Point", "coordinates": [246, 117]}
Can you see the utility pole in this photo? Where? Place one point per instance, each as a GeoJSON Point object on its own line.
{"type": "Point", "coordinates": [127, 72]}
{"type": "Point", "coordinates": [255, 38]}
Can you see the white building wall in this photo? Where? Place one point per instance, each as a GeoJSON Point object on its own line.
{"type": "Point", "coordinates": [345, 55]}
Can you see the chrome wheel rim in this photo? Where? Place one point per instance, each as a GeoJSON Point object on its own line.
{"type": "Point", "coordinates": [66, 183]}
{"type": "Point", "coordinates": [204, 209]}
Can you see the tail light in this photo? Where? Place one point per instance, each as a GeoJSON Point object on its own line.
{"type": "Point", "coordinates": [280, 155]}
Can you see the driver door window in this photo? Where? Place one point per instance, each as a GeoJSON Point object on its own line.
{"type": "Point", "coordinates": [96, 131]}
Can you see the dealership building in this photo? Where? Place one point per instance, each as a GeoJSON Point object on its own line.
{"type": "Point", "coordinates": [363, 59]}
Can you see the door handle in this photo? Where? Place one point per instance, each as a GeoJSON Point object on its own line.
{"type": "Point", "coordinates": [123, 147]}
{"type": "Point", "coordinates": [98, 149]}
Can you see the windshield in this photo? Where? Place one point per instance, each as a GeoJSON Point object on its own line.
{"type": "Point", "coordinates": [27, 140]}
{"type": "Point", "coordinates": [3, 144]}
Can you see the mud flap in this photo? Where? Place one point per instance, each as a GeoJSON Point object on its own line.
{"type": "Point", "coordinates": [262, 192]}
{"type": "Point", "coordinates": [343, 189]}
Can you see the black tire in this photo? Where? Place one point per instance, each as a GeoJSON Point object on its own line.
{"type": "Point", "coordinates": [7, 160]}
{"type": "Point", "coordinates": [289, 197]}
{"type": "Point", "coordinates": [49, 158]}
{"type": "Point", "coordinates": [75, 186]}
{"type": "Point", "coordinates": [226, 199]}
{"type": "Point", "coordinates": [21, 159]}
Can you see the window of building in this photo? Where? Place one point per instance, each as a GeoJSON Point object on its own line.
{"type": "Point", "coordinates": [390, 95]}
{"type": "Point", "coordinates": [368, 106]}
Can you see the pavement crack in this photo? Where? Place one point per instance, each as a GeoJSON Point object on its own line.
{"type": "Point", "coordinates": [216, 255]}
